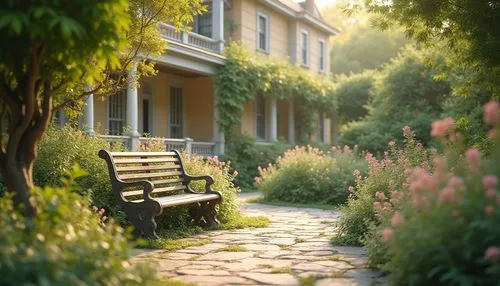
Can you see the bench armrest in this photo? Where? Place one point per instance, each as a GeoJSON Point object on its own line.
{"type": "Point", "coordinates": [146, 185]}
{"type": "Point", "coordinates": [208, 179]}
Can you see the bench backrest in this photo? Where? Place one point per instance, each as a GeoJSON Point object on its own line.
{"type": "Point", "coordinates": [164, 169]}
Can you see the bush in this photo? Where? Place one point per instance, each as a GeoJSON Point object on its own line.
{"type": "Point", "coordinates": [385, 177]}
{"type": "Point", "coordinates": [65, 244]}
{"type": "Point", "coordinates": [444, 227]}
{"type": "Point", "coordinates": [308, 175]}
{"type": "Point", "coordinates": [60, 149]}
{"type": "Point", "coordinates": [245, 156]}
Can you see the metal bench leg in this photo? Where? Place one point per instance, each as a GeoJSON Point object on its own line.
{"type": "Point", "coordinates": [210, 213]}
{"type": "Point", "coordinates": [196, 213]}
{"type": "Point", "coordinates": [142, 218]}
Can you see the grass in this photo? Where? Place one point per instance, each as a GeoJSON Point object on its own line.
{"type": "Point", "coordinates": [232, 248]}
{"type": "Point", "coordinates": [245, 222]}
{"type": "Point", "coordinates": [173, 239]}
{"type": "Point", "coordinates": [282, 270]}
{"type": "Point", "coordinates": [170, 282]}
{"type": "Point", "coordinates": [308, 281]}
{"type": "Point", "coordinates": [322, 206]}
{"type": "Point", "coordinates": [284, 246]}
{"type": "Point", "coordinates": [299, 240]}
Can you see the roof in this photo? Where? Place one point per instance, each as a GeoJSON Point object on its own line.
{"type": "Point", "coordinates": [298, 9]}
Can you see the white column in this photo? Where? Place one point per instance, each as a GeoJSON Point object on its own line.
{"type": "Point", "coordinates": [132, 108]}
{"type": "Point", "coordinates": [218, 22]}
{"type": "Point", "coordinates": [273, 119]}
{"type": "Point", "coordinates": [291, 122]}
{"type": "Point", "coordinates": [88, 115]}
{"type": "Point", "coordinates": [218, 136]}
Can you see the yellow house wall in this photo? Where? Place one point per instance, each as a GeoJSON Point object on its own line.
{"type": "Point", "coordinates": [314, 36]}
{"type": "Point", "coordinates": [199, 108]}
{"type": "Point", "coordinates": [247, 34]}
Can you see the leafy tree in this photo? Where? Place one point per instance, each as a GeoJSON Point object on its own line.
{"type": "Point", "coordinates": [468, 27]}
{"type": "Point", "coordinates": [405, 93]}
{"type": "Point", "coordinates": [54, 53]}
{"type": "Point", "coordinates": [353, 94]}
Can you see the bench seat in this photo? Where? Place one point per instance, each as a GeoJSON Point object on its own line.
{"type": "Point", "coordinates": [184, 199]}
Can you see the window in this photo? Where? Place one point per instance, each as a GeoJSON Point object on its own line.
{"type": "Point", "coordinates": [117, 109]}
{"type": "Point", "coordinates": [322, 55]}
{"type": "Point", "coordinates": [176, 112]}
{"type": "Point", "coordinates": [260, 114]}
{"type": "Point", "coordinates": [321, 128]}
{"type": "Point", "coordinates": [262, 32]}
{"type": "Point", "coordinates": [304, 47]}
{"type": "Point", "coordinates": [203, 22]}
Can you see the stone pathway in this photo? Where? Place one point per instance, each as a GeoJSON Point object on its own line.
{"type": "Point", "coordinates": [294, 250]}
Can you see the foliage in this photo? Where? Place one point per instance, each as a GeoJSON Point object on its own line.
{"type": "Point", "coordinates": [46, 49]}
{"type": "Point", "coordinates": [60, 149]}
{"type": "Point", "coordinates": [245, 156]}
{"type": "Point", "coordinates": [244, 77]}
{"type": "Point", "coordinates": [353, 93]}
{"type": "Point", "coordinates": [308, 175]}
{"type": "Point", "coordinates": [386, 176]}
{"type": "Point", "coordinates": [457, 204]}
{"type": "Point", "coordinates": [406, 93]}
{"type": "Point", "coordinates": [475, 22]}
{"type": "Point", "coordinates": [66, 243]}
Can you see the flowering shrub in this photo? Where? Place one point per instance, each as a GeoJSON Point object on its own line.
{"type": "Point", "coordinates": [385, 179]}
{"type": "Point", "coordinates": [308, 175]}
{"type": "Point", "coordinates": [445, 229]}
{"type": "Point", "coordinates": [65, 244]}
{"type": "Point", "coordinates": [245, 156]}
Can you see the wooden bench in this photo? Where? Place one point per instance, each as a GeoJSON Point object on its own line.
{"type": "Point", "coordinates": [145, 183]}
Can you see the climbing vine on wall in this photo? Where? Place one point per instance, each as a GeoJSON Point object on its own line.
{"type": "Point", "coordinates": [245, 77]}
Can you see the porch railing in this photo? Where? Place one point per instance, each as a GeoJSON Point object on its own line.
{"type": "Point", "coordinates": [113, 140]}
{"type": "Point", "coordinates": [190, 38]}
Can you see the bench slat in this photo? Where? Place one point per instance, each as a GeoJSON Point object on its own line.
{"type": "Point", "coordinates": [147, 168]}
{"type": "Point", "coordinates": [143, 161]}
{"type": "Point", "coordinates": [159, 182]}
{"type": "Point", "coordinates": [149, 175]}
{"type": "Point", "coordinates": [156, 190]}
{"type": "Point", "coordinates": [142, 154]}
{"type": "Point", "coordinates": [183, 199]}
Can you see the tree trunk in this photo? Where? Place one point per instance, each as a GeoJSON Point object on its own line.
{"type": "Point", "coordinates": [18, 180]}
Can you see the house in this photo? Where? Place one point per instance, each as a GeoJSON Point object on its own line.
{"type": "Point", "coordinates": [178, 105]}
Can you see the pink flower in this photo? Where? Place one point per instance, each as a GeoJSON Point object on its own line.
{"type": "Point", "coordinates": [447, 195]}
{"type": "Point", "coordinates": [473, 159]}
{"type": "Point", "coordinates": [418, 202]}
{"type": "Point", "coordinates": [392, 143]}
{"type": "Point", "coordinates": [380, 196]}
{"type": "Point", "coordinates": [492, 113]}
{"type": "Point", "coordinates": [457, 183]}
{"type": "Point", "coordinates": [492, 253]}
{"type": "Point", "coordinates": [491, 193]}
{"type": "Point", "coordinates": [490, 182]}
{"type": "Point", "coordinates": [441, 128]}
{"type": "Point", "coordinates": [407, 131]}
{"type": "Point", "coordinates": [377, 206]}
{"type": "Point", "coordinates": [257, 180]}
{"type": "Point", "coordinates": [387, 234]}
{"type": "Point", "coordinates": [351, 189]}
{"type": "Point", "coordinates": [397, 219]}
{"type": "Point", "coordinates": [489, 210]}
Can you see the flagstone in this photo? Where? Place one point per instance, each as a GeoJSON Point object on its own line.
{"type": "Point", "coordinates": [274, 279]}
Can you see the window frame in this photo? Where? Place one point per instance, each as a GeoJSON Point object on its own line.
{"type": "Point", "coordinates": [308, 48]}
{"type": "Point", "coordinates": [266, 35]}
{"type": "Point", "coordinates": [180, 113]}
{"type": "Point", "coordinates": [322, 55]}
{"type": "Point", "coordinates": [262, 114]}
{"type": "Point", "coordinates": [109, 118]}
